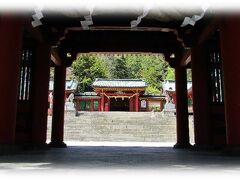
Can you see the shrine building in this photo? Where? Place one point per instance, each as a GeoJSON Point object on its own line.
{"type": "Point", "coordinates": [118, 95]}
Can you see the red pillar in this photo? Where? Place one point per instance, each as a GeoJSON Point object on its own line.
{"type": "Point", "coordinates": [131, 104]}
{"type": "Point", "coordinates": [181, 108]}
{"type": "Point", "coordinates": [40, 104]}
{"type": "Point", "coordinates": [99, 105]}
{"type": "Point", "coordinates": [137, 103]}
{"type": "Point", "coordinates": [10, 55]}
{"type": "Point", "coordinates": [147, 105]}
{"type": "Point", "coordinates": [58, 107]}
{"type": "Point", "coordinates": [91, 105]}
{"type": "Point", "coordinates": [102, 102]}
{"type": "Point", "coordinates": [78, 105]}
{"type": "Point", "coordinates": [161, 105]}
{"type": "Point", "coordinates": [201, 107]}
{"type": "Point", "coordinates": [230, 48]}
{"type": "Point", "coordinates": [107, 105]}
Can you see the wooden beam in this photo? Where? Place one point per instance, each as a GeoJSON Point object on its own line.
{"type": "Point", "coordinates": [118, 28]}
{"type": "Point", "coordinates": [120, 48]}
{"type": "Point", "coordinates": [120, 41]}
{"type": "Point", "coordinates": [186, 58]}
{"type": "Point", "coordinates": [55, 57]}
{"type": "Point", "coordinates": [209, 30]}
{"type": "Point", "coordinates": [35, 33]}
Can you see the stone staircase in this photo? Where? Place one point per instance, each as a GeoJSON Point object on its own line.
{"type": "Point", "coordinates": [120, 127]}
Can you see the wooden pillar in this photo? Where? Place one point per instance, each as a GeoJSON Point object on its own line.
{"type": "Point", "coordinates": [58, 107]}
{"type": "Point", "coordinates": [78, 104]}
{"type": "Point", "coordinates": [107, 108]}
{"type": "Point", "coordinates": [99, 105]}
{"type": "Point", "coordinates": [131, 104]}
{"type": "Point", "coordinates": [161, 105]}
{"type": "Point", "coordinates": [201, 109]}
{"type": "Point", "coordinates": [91, 105]}
{"type": "Point", "coordinates": [137, 102]}
{"type": "Point", "coordinates": [230, 48]}
{"type": "Point", "coordinates": [102, 102]}
{"type": "Point", "coordinates": [147, 105]}
{"type": "Point", "coordinates": [41, 73]}
{"type": "Point", "coordinates": [181, 108]}
{"type": "Point", "coordinates": [10, 56]}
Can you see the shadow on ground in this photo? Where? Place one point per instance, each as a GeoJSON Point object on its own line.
{"type": "Point", "coordinates": [101, 157]}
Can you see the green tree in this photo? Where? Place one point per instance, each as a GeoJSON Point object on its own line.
{"type": "Point", "coordinates": [152, 90]}
{"type": "Point", "coordinates": [153, 69]}
{"type": "Point", "coordinates": [119, 68]}
{"type": "Point", "coordinates": [189, 74]}
{"type": "Point", "coordinates": [87, 68]}
{"type": "Point", "coordinates": [134, 65]}
{"type": "Point", "coordinates": [170, 73]}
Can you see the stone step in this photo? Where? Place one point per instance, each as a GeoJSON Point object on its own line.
{"type": "Point", "coordinates": [119, 126]}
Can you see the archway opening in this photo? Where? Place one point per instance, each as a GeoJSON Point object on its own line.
{"type": "Point", "coordinates": [111, 115]}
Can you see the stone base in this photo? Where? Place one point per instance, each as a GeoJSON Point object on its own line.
{"type": "Point", "coordinates": [182, 146]}
{"type": "Point", "coordinates": [231, 150]}
{"type": "Point", "coordinates": [36, 147]}
{"type": "Point", "coordinates": [9, 149]}
{"type": "Point", "coordinates": [57, 145]}
{"type": "Point", "coordinates": [207, 147]}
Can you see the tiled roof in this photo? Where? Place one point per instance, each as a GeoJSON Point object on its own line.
{"type": "Point", "coordinates": [124, 83]}
{"type": "Point", "coordinates": [169, 85]}
{"type": "Point", "coordinates": [86, 94]}
{"type": "Point", "coordinates": [70, 85]}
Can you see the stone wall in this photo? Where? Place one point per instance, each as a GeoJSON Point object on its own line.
{"type": "Point", "coordinates": [121, 127]}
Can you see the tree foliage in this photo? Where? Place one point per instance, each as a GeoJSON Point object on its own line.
{"type": "Point", "coordinates": [189, 74]}
{"type": "Point", "coordinates": [153, 69]}
{"type": "Point", "coordinates": [170, 73]}
{"type": "Point", "coordinates": [119, 69]}
{"type": "Point", "coordinates": [87, 68]}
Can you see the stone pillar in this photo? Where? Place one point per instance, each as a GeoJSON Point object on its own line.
{"type": "Point", "coordinates": [181, 108]}
{"type": "Point", "coordinates": [137, 103]}
{"type": "Point", "coordinates": [230, 48]}
{"type": "Point", "coordinates": [10, 56]}
{"type": "Point", "coordinates": [58, 107]}
{"type": "Point", "coordinates": [201, 93]}
{"type": "Point", "coordinates": [40, 104]}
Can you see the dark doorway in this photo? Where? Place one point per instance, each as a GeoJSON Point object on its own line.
{"type": "Point", "coordinates": [119, 104]}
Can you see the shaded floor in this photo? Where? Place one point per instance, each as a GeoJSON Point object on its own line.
{"type": "Point", "coordinates": [159, 159]}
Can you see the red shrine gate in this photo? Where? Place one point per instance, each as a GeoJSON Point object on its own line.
{"type": "Point", "coordinates": [118, 95]}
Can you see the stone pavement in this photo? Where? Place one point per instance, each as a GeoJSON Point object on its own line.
{"type": "Point", "coordinates": [112, 158]}
{"type": "Point", "coordinates": [118, 160]}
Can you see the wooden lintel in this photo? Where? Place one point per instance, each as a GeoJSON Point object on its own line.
{"type": "Point", "coordinates": [34, 32]}
{"type": "Point", "coordinates": [186, 58]}
{"type": "Point", "coordinates": [124, 48]}
{"type": "Point", "coordinates": [209, 30]}
{"type": "Point", "coordinates": [55, 57]}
